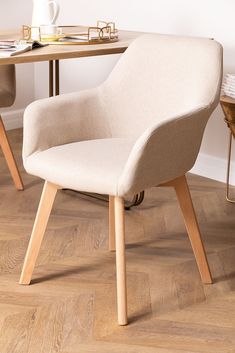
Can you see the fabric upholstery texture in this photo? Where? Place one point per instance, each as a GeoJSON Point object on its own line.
{"type": "Point", "coordinates": [95, 167]}
{"type": "Point", "coordinates": [7, 85]}
{"type": "Point", "coordinates": [143, 126]}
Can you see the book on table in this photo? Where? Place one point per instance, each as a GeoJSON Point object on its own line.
{"type": "Point", "coordinates": [11, 48]}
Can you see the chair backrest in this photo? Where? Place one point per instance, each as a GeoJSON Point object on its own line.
{"type": "Point", "coordinates": [7, 85]}
{"type": "Point", "coordinates": [159, 77]}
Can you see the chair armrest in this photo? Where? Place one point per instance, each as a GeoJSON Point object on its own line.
{"type": "Point", "coordinates": [63, 119]}
{"type": "Point", "coordinates": [164, 152]}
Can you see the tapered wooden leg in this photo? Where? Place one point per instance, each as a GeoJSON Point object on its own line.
{"type": "Point", "coordinates": [111, 224]}
{"type": "Point", "coordinates": [6, 149]}
{"type": "Point", "coordinates": [120, 261]}
{"type": "Point", "coordinates": [181, 187]}
{"type": "Point", "coordinates": [43, 213]}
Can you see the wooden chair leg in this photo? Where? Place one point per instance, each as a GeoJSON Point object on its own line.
{"type": "Point", "coordinates": [111, 224]}
{"type": "Point", "coordinates": [181, 187]}
{"type": "Point", "coordinates": [43, 213]}
{"type": "Point", "coordinates": [120, 260]}
{"type": "Point", "coordinates": [6, 148]}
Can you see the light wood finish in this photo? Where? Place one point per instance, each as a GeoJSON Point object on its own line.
{"type": "Point", "coordinates": [71, 305]}
{"type": "Point", "coordinates": [59, 52]}
{"type": "Point", "coordinates": [6, 149]}
{"type": "Point", "coordinates": [182, 191]}
{"type": "Point", "coordinates": [111, 224]}
{"type": "Point", "coordinates": [39, 228]}
{"type": "Point", "coordinates": [120, 260]}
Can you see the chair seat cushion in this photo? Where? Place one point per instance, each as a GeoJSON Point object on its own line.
{"type": "Point", "coordinates": [92, 166]}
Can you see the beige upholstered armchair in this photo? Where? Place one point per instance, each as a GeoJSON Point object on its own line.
{"type": "Point", "coordinates": [141, 128]}
{"type": "Point", "coordinates": [7, 98]}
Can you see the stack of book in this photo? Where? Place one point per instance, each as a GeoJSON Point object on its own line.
{"type": "Point", "coordinates": [229, 85]}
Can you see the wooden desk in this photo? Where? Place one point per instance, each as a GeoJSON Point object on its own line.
{"type": "Point", "coordinates": [54, 53]}
{"type": "Point", "coordinates": [59, 52]}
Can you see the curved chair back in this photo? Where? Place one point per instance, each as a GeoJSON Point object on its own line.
{"type": "Point", "coordinates": [7, 85]}
{"type": "Point", "coordinates": [159, 77]}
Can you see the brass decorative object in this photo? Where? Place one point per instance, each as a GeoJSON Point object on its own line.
{"type": "Point", "coordinates": [103, 32]}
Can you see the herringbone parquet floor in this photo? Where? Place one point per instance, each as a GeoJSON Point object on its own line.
{"type": "Point", "coordinates": [71, 305]}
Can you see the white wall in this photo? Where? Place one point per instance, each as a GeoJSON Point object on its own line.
{"type": "Point", "coordinates": [208, 18]}
{"type": "Point", "coordinates": [14, 13]}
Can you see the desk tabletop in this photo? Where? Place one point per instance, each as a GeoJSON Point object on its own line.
{"type": "Point", "coordinates": [58, 52]}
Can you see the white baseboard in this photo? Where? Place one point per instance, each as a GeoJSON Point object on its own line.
{"type": "Point", "coordinates": [13, 119]}
{"type": "Point", "coordinates": [213, 168]}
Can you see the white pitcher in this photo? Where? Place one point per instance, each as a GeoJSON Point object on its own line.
{"type": "Point", "coordinates": [45, 12]}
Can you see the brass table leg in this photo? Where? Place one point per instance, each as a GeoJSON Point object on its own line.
{"type": "Point", "coordinates": [54, 78]}
{"type": "Point", "coordinates": [57, 77]}
{"type": "Point", "coordinates": [51, 78]}
{"type": "Point", "coordinates": [228, 169]}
